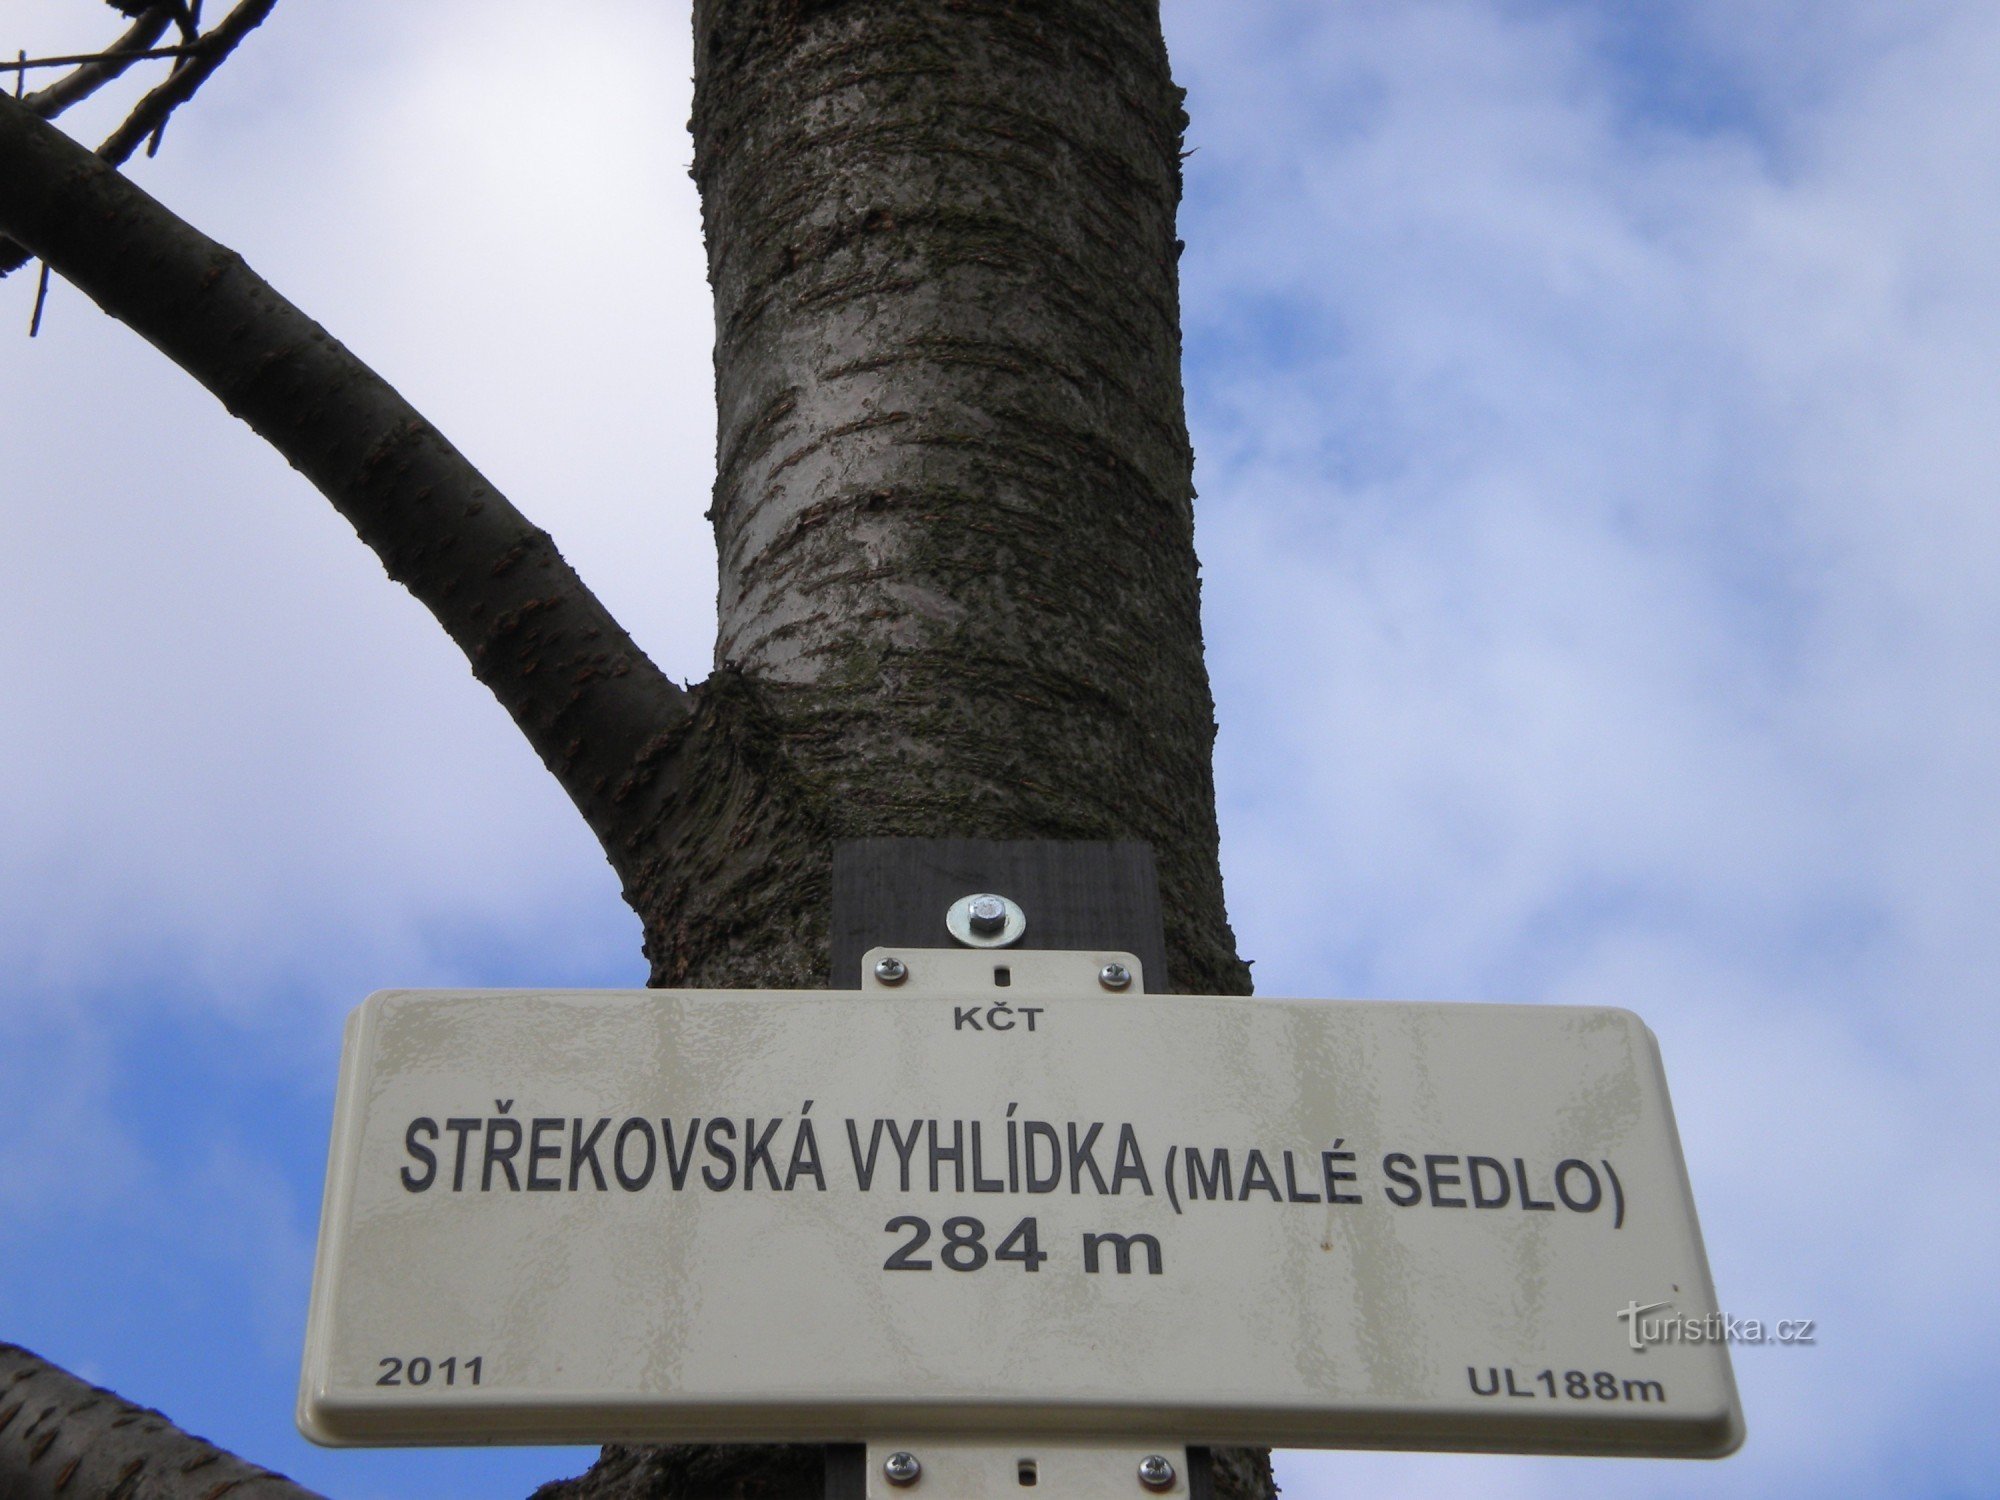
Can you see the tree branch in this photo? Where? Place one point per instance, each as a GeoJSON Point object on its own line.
{"type": "Point", "coordinates": [62, 1438]}
{"type": "Point", "coordinates": [206, 53]}
{"type": "Point", "coordinates": [589, 701]}
{"type": "Point", "coordinates": [135, 46]}
{"type": "Point", "coordinates": [149, 116]}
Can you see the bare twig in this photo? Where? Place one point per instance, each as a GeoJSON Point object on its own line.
{"type": "Point", "coordinates": [97, 68]}
{"type": "Point", "coordinates": [190, 22]}
{"type": "Point", "coordinates": [207, 55]}
{"type": "Point", "coordinates": [41, 300]}
{"type": "Point", "coordinates": [194, 63]}
{"type": "Point", "coordinates": [25, 64]}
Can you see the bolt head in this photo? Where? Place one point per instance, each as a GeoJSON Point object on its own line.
{"type": "Point", "coordinates": [901, 1467]}
{"type": "Point", "coordinates": [1156, 1472]}
{"type": "Point", "coordinates": [986, 914]}
{"type": "Point", "coordinates": [1116, 977]}
{"type": "Point", "coordinates": [891, 970]}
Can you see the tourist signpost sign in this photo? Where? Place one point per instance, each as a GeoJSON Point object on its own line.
{"type": "Point", "coordinates": [1000, 1193]}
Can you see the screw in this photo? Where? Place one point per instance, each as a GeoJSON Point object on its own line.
{"type": "Point", "coordinates": [987, 914]}
{"type": "Point", "coordinates": [1116, 977]}
{"type": "Point", "coordinates": [891, 970]}
{"type": "Point", "coordinates": [1155, 1472]}
{"type": "Point", "coordinates": [902, 1467]}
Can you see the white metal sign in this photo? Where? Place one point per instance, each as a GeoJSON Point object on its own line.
{"type": "Point", "coordinates": [998, 1197]}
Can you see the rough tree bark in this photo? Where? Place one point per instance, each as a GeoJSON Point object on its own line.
{"type": "Point", "coordinates": [953, 504]}
{"type": "Point", "coordinates": [63, 1440]}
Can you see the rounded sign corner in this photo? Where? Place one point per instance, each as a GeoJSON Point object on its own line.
{"type": "Point", "coordinates": [311, 1418]}
{"type": "Point", "coordinates": [1725, 1433]}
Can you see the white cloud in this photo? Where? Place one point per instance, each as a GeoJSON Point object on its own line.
{"type": "Point", "coordinates": [1596, 401]}
{"type": "Point", "coordinates": [1623, 477]}
{"type": "Point", "coordinates": [227, 732]}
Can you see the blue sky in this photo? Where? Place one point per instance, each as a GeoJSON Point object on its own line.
{"type": "Point", "coordinates": [1596, 428]}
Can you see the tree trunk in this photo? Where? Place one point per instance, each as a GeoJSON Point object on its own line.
{"type": "Point", "coordinates": [953, 501]}
{"type": "Point", "coordinates": [953, 504]}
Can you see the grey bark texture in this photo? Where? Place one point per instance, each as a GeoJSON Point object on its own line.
{"type": "Point", "coordinates": [61, 1439]}
{"type": "Point", "coordinates": [953, 506]}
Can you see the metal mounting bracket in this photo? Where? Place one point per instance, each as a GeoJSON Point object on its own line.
{"type": "Point", "coordinates": [1021, 1469]}
{"type": "Point", "coordinates": [1006, 974]}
